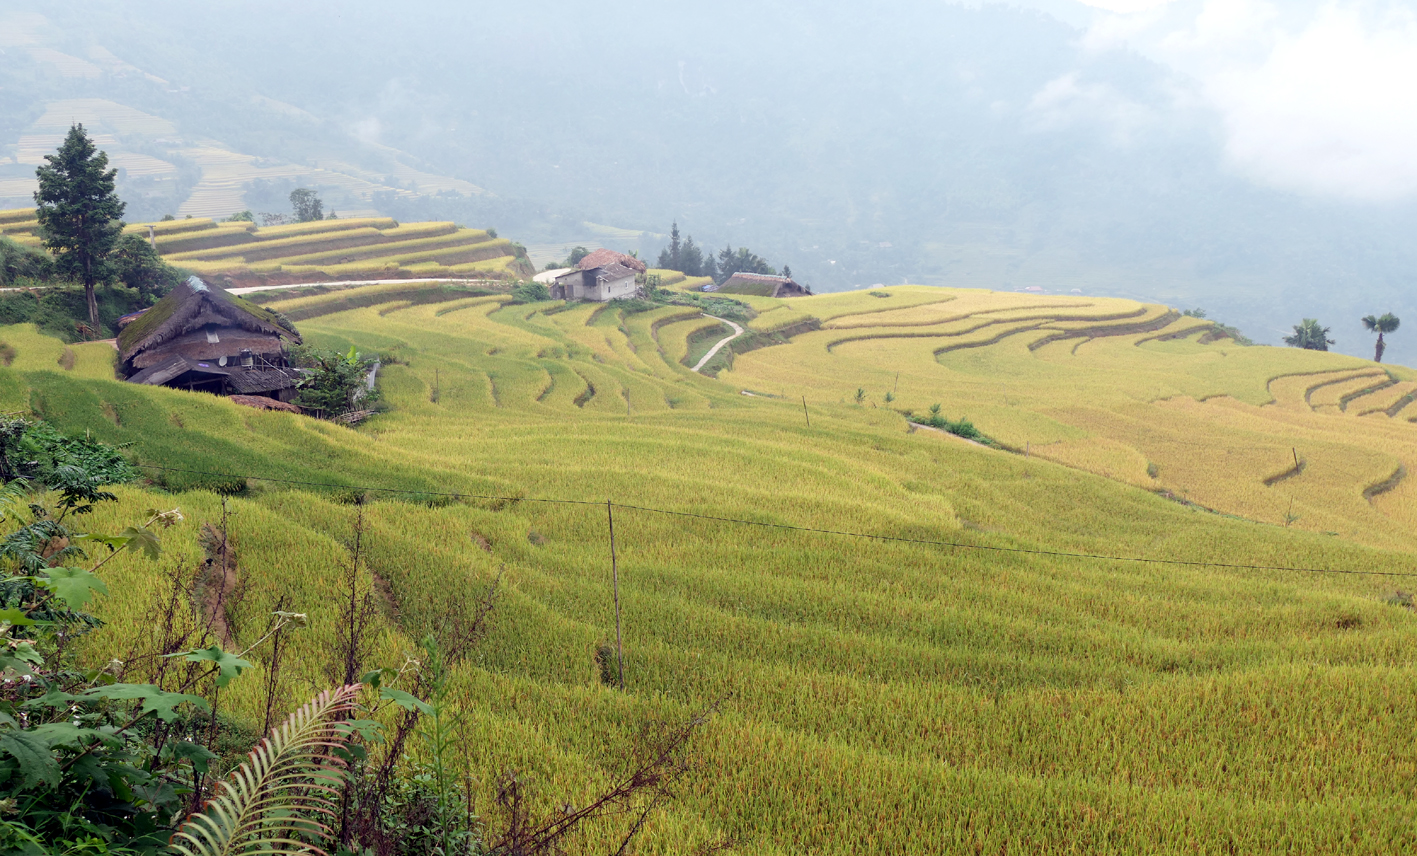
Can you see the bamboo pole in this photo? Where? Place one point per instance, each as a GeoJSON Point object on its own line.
{"type": "Point", "coordinates": [615, 580]}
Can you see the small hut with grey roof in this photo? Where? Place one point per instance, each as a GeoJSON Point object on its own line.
{"type": "Point", "coordinates": [200, 337]}
{"type": "Point", "coordinates": [602, 275]}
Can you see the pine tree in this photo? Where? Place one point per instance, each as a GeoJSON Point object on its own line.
{"type": "Point", "coordinates": [78, 211]}
{"type": "Point", "coordinates": [671, 257]}
{"type": "Point", "coordinates": [692, 258]}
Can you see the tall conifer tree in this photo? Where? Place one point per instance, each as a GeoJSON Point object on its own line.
{"type": "Point", "coordinates": [79, 211]}
{"type": "Point", "coordinates": [670, 257]}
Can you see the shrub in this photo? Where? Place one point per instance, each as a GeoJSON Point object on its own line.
{"type": "Point", "coordinates": [138, 266]}
{"type": "Point", "coordinates": [530, 292]}
{"type": "Point", "coordinates": [333, 384]}
{"type": "Point", "coordinates": [18, 262]}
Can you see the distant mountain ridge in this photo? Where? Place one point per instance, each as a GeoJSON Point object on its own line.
{"type": "Point", "coordinates": [951, 145]}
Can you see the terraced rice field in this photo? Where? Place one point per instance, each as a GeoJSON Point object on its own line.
{"type": "Point", "coordinates": [1127, 390]}
{"type": "Point", "coordinates": [875, 696]}
{"type": "Point", "coordinates": [350, 248]}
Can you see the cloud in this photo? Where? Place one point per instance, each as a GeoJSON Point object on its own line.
{"type": "Point", "coordinates": [1068, 100]}
{"type": "Point", "coordinates": [1318, 98]}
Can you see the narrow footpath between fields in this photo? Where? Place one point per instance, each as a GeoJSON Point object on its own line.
{"type": "Point", "coordinates": [737, 331]}
{"type": "Point", "coordinates": [249, 289]}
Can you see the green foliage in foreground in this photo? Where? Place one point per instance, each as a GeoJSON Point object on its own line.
{"type": "Point", "coordinates": [78, 772]}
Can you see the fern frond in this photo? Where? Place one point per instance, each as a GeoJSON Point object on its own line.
{"type": "Point", "coordinates": [14, 499]}
{"type": "Point", "coordinates": [272, 804]}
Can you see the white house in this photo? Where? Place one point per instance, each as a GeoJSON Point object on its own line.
{"type": "Point", "coordinates": [603, 275]}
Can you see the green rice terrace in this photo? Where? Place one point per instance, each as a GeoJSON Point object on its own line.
{"type": "Point", "coordinates": [910, 643]}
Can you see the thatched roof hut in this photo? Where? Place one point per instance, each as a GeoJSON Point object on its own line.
{"type": "Point", "coordinates": [202, 337]}
{"type": "Point", "coordinates": [760, 284]}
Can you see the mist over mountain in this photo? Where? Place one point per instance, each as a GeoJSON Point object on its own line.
{"type": "Point", "coordinates": [965, 145]}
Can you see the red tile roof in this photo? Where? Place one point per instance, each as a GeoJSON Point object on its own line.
{"type": "Point", "coordinates": [604, 258]}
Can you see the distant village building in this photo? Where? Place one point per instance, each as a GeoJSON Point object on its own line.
{"type": "Point", "coordinates": [199, 337]}
{"type": "Point", "coordinates": [602, 275]}
{"type": "Point", "coordinates": [760, 284]}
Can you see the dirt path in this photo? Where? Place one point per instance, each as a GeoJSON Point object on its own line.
{"type": "Point", "coordinates": [343, 282]}
{"type": "Point", "coordinates": [737, 331]}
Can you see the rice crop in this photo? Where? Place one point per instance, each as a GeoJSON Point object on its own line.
{"type": "Point", "coordinates": [882, 696]}
{"type": "Point", "coordinates": [17, 215]}
{"type": "Point", "coordinates": [365, 246]}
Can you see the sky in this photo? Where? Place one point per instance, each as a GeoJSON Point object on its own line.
{"type": "Point", "coordinates": [1318, 97]}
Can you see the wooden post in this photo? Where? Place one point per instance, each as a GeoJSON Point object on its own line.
{"type": "Point", "coordinates": [1295, 450]}
{"type": "Point", "coordinates": [805, 413]}
{"type": "Point", "coordinates": [897, 384]}
{"type": "Point", "coordinates": [615, 580]}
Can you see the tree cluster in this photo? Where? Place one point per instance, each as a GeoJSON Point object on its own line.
{"type": "Point", "coordinates": [686, 257]}
{"type": "Point", "coordinates": [307, 205]}
{"type": "Point", "coordinates": [689, 259]}
{"type": "Point", "coordinates": [742, 260]}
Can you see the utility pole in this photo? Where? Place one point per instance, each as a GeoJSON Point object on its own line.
{"type": "Point", "coordinates": [615, 578]}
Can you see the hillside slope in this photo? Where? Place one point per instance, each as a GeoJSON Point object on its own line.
{"type": "Point", "coordinates": [242, 253]}
{"type": "Point", "coordinates": [963, 689]}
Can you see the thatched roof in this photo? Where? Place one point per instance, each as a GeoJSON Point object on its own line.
{"type": "Point", "coordinates": [605, 258]}
{"type": "Point", "coordinates": [760, 284]}
{"type": "Point", "coordinates": [192, 306]}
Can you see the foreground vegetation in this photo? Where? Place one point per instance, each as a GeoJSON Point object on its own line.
{"type": "Point", "coordinates": [875, 695]}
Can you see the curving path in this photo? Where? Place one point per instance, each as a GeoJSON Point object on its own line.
{"type": "Point", "coordinates": [737, 331]}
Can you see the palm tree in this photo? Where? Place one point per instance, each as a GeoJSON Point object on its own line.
{"type": "Point", "coordinates": [1309, 335]}
{"type": "Point", "coordinates": [1387, 323]}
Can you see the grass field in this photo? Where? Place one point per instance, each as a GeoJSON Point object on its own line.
{"type": "Point", "coordinates": [876, 696]}
{"type": "Point", "coordinates": [375, 246]}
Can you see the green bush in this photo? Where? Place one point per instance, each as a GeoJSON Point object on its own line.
{"type": "Point", "coordinates": [58, 309]}
{"type": "Point", "coordinates": [35, 451]}
{"type": "Point", "coordinates": [18, 262]}
{"type": "Point", "coordinates": [530, 292]}
{"type": "Point", "coordinates": [138, 265]}
{"type": "Point", "coordinates": [333, 384]}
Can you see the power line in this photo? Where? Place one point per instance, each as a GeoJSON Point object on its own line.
{"type": "Point", "coordinates": [1060, 554]}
